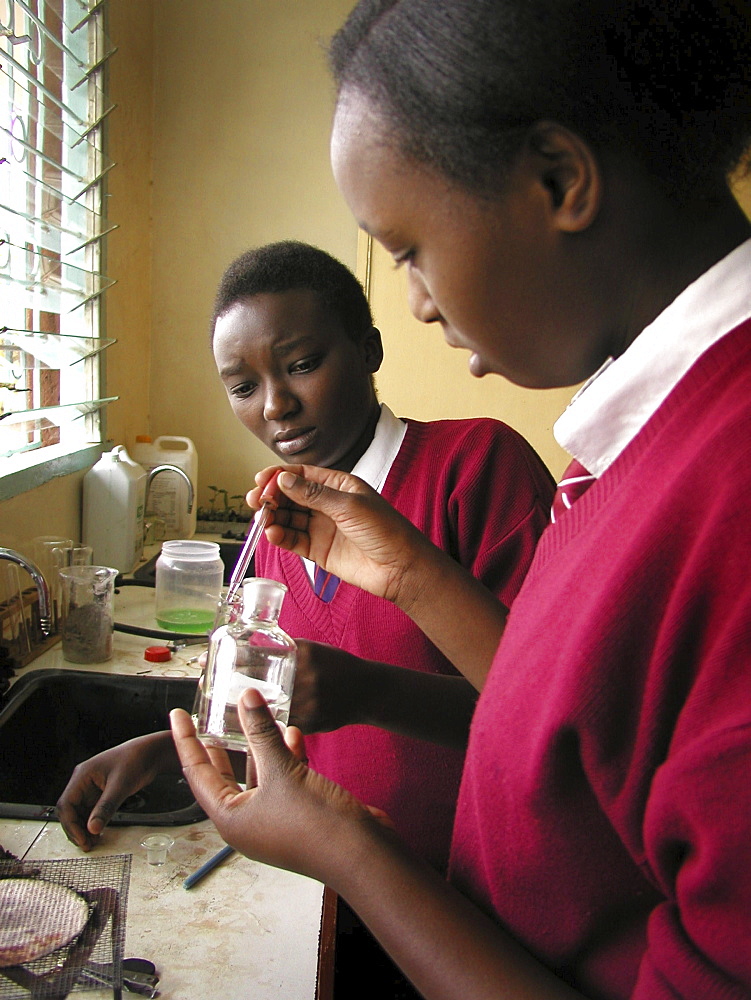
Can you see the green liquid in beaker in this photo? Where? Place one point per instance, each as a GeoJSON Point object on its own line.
{"type": "Point", "coordinates": [190, 620]}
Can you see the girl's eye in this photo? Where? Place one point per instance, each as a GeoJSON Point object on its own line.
{"type": "Point", "coordinates": [306, 365]}
{"type": "Point", "coordinates": [406, 257]}
{"type": "Point", "coordinates": [243, 390]}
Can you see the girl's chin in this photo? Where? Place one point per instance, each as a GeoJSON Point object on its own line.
{"type": "Point", "coordinates": [477, 367]}
{"type": "Point", "coordinates": [305, 456]}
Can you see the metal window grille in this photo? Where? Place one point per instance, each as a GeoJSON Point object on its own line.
{"type": "Point", "coordinates": [53, 107]}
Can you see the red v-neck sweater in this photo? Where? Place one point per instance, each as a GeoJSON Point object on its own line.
{"type": "Point", "coordinates": [479, 492]}
{"type": "Point", "coordinates": [605, 810]}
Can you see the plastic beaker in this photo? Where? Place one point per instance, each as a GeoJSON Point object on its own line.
{"type": "Point", "coordinates": [87, 613]}
{"type": "Point", "coordinates": [188, 585]}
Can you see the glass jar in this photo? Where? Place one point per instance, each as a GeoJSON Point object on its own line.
{"type": "Point", "coordinates": [189, 577]}
{"type": "Point", "coordinates": [251, 652]}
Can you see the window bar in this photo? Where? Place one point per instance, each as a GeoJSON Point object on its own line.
{"type": "Point", "coordinates": [94, 69]}
{"type": "Point", "coordinates": [87, 17]}
{"type": "Point", "coordinates": [42, 27]}
{"type": "Point", "coordinates": [41, 87]}
{"type": "Point", "coordinates": [92, 183]}
{"type": "Point", "coordinates": [94, 239]}
{"type": "Point", "coordinates": [34, 151]}
{"type": "Point", "coordinates": [93, 126]}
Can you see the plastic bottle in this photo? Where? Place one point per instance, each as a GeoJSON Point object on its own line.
{"type": "Point", "coordinates": [252, 652]}
{"type": "Point", "coordinates": [189, 578]}
{"type": "Point", "coordinates": [113, 501]}
{"type": "Point", "coordinates": [168, 493]}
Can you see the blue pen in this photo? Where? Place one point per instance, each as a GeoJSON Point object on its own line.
{"type": "Point", "coordinates": [207, 866]}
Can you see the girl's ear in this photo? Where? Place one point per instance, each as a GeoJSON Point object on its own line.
{"type": "Point", "coordinates": [570, 174]}
{"type": "Point", "coordinates": [373, 350]}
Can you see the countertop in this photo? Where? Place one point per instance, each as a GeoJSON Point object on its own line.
{"type": "Point", "coordinates": [246, 930]}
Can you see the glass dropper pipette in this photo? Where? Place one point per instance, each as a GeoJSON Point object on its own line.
{"type": "Point", "coordinates": [253, 537]}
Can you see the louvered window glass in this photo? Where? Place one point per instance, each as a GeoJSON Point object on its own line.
{"type": "Point", "coordinates": [53, 105]}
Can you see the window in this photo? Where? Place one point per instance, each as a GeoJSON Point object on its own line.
{"type": "Point", "coordinates": [53, 107]}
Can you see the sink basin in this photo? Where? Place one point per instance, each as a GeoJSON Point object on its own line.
{"type": "Point", "coordinates": [51, 720]}
{"type": "Point", "coordinates": [229, 552]}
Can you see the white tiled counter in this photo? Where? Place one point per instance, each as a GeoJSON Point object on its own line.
{"type": "Point", "coordinates": [245, 931]}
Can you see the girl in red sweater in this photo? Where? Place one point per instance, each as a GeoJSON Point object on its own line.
{"type": "Point", "coordinates": [294, 344]}
{"type": "Point", "coordinates": [553, 175]}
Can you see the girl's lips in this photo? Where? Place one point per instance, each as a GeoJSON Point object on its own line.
{"type": "Point", "coordinates": [294, 445]}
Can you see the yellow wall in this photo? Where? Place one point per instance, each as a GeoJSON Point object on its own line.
{"type": "Point", "coordinates": [240, 158]}
{"type": "Point", "coordinates": [130, 140]}
{"type": "Point", "coordinates": [52, 509]}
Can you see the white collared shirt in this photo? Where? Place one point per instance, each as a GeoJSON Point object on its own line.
{"type": "Point", "coordinates": [374, 465]}
{"type": "Point", "coordinates": [611, 408]}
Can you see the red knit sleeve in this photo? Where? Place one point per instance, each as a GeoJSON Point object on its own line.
{"type": "Point", "coordinates": [698, 843]}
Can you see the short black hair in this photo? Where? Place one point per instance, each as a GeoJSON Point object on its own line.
{"type": "Point", "coordinates": [459, 83]}
{"type": "Point", "coordinates": [289, 265]}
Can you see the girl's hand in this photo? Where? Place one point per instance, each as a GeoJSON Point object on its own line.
{"type": "Point", "coordinates": [334, 688]}
{"type": "Point", "coordinates": [343, 525]}
{"type": "Point", "coordinates": [346, 527]}
{"type": "Point", "coordinates": [329, 688]}
{"type": "Point", "coordinates": [291, 817]}
{"type": "Point", "coordinates": [99, 785]}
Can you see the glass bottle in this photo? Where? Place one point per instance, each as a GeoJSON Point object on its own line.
{"type": "Point", "coordinates": [253, 651]}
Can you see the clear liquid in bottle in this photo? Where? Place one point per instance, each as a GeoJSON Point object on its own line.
{"type": "Point", "coordinates": [253, 652]}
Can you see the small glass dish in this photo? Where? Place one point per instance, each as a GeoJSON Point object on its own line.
{"type": "Point", "coordinates": [157, 847]}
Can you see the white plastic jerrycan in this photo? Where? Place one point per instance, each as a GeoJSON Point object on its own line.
{"type": "Point", "coordinates": [114, 491]}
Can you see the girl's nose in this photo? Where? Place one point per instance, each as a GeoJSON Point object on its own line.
{"type": "Point", "coordinates": [420, 301]}
{"type": "Point", "coordinates": [279, 402]}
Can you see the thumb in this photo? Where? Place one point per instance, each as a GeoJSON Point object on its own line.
{"type": "Point", "coordinates": [319, 489]}
{"type": "Point", "coordinates": [101, 814]}
{"type": "Point", "coordinates": [306, 492]}
{"type": "Point", "coordinates": [265, 741]}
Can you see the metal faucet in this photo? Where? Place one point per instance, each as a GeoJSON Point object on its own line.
{"type": "Point", "coordinates": [45, 604]}
{"type": "Point", "coordinates": [168, 468]}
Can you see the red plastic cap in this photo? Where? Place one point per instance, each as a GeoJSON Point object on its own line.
{"type": "Point", "coordinates": [157, 654]}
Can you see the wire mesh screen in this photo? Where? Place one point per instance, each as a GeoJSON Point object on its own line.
{"type": "Point", "coordinates": [97, 889]}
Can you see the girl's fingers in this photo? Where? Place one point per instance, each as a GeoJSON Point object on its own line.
{"type": "Point", "coordinates": [383, 818]}
{"type": "Point", "coordinates": [208, 784]}
{"type": "Point", "coordinates": [220, 760]}
{"type": "Point", "coordinates": [263, 734]}
{"type": "Point", "coordinates": [294, 739]}
{"type": "Point", "coordinates": [268, 750]}
{"type": "Point", "coordinates": [266, 487]}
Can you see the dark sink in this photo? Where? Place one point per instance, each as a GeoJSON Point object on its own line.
{"type": "Point", "coordinates": [50, 720]}
{"type": "Point", "coordinates": [229, 552]}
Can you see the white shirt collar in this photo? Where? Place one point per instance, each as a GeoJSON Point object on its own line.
{"type": "Point", "coordinates": [611, 408]}
{"type": "Point", "coordinates": [375, 464]}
